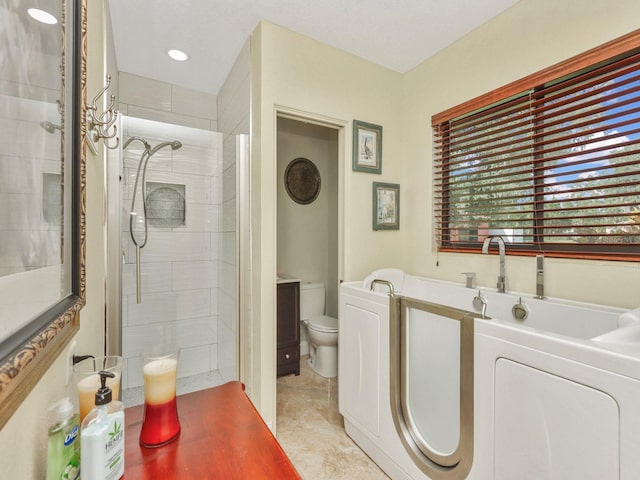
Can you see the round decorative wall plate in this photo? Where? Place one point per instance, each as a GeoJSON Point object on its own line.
{"type": "Point", "coordinates": [302, 180]}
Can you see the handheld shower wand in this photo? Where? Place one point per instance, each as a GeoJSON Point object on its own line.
{"type": "Point", "coordinates": [147, 153]}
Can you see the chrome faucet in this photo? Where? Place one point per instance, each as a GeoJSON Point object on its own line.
{"type": "Point", "coordinates": [471, 279]}
{"type": "Point", "coordinates": [502, 279]}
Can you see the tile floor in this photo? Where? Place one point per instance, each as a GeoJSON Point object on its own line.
{"type": "Point", "coordinates": [311, 432]}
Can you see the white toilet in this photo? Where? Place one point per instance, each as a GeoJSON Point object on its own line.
{"type": "Point", "coordinates": [323, 330]}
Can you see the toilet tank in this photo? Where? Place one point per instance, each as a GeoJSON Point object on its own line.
{"type": "Point", "coordinates": [311, 300]}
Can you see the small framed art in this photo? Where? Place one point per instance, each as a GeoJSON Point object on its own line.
{"type": "Point", "coordinates": [386, 206]}
{"type": "Point", "coordinates": [367, 147]}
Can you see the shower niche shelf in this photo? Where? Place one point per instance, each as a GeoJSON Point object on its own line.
{"type": "Point", "coordinates": [165, 204]}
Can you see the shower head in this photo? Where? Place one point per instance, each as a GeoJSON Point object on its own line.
{"type": "Point", "coordinates": [50, 127]}
{"type": "Point", "coordinates": [175, 145]}
{"type": "Point", "coordinates": [142, 140]}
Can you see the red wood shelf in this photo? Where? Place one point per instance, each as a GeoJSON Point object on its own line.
{"type": "Point", "coordinates": [223, 437]}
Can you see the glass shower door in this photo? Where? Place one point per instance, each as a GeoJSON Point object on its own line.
{"type": "Point", "coordinates": [188, 266]}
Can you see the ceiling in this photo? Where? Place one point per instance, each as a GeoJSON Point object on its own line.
{"type": "Point", "coordinates": [397, 34]}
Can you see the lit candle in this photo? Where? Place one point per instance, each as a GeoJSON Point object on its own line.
{"type": "Point", "coordinates": [160, 380]}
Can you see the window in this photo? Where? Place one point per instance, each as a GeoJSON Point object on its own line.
{"type": "Point", "coordinates": [551, 163]}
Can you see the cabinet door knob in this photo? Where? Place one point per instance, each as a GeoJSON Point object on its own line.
{"type": "Point", "coordinates": [287, 356]}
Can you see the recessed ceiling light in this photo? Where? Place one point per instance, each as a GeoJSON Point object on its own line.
{"type": "Point", "coordinates": [42, 16]}
{"type": "Point", "coordinates": [178, 55]}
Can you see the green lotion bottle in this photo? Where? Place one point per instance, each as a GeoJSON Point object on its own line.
{"type": "Point", "coordinates": [63, 447]}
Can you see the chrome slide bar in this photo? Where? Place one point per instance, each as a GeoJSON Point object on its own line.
{"type": "Point", "coordinates": [437, 465]}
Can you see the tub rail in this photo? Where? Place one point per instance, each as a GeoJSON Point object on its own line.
{"type": "Point", "coordinates": [438, 465]}
{"type": "Point", "coordinates": [382, 282]}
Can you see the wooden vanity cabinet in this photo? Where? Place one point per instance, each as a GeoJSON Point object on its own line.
{"type": "Point", "coordinates": [288, 326]}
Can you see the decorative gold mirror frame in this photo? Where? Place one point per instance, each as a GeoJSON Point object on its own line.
{"type": "Point", "coordinates": [33, 349]}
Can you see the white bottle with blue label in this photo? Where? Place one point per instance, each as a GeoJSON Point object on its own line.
{"type": "Point", "coordinates": [102, 453]}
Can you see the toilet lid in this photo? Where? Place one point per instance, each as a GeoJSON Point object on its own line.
{"type": "Point", "coordinates": [322, 323]}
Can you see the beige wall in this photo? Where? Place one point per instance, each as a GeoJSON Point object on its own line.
{"type": "Point", "coordinates": [23, 440]}
{"type": "Point", "coordinates": [297, 73]}
{"type": "Point", "coordinates": [293, 72]}
{"type": "Point", "coordinates": [532, 35]}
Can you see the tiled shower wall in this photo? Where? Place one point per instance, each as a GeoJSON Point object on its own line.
{"type": "Point", "coordinates": [233, 119]}
{"type": "Point", "coordinates": [180, 265]}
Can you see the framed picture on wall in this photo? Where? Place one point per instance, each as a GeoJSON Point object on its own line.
{"type": "Point", "coordinates": [386, 206]}
{"type": "Point", "coordinates": [367, 147]}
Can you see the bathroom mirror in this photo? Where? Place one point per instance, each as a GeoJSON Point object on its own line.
{"type": "Point", "coordinates": [42, 239]}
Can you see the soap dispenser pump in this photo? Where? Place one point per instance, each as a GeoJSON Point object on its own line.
{"type": "Point", "coordinates": [102, 453]}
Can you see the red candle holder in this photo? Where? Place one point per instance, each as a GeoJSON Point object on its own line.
{"type": "Point", "coordinates": [160, 424]}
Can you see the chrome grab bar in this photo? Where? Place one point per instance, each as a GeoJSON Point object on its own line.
{"type": "Point", "coordinates": [437, 466]}
{"type": "Point", "coordinates": [383, 282]}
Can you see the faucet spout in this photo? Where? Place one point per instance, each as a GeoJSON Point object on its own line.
{"type": "Point", "coordinates": [502, 278]}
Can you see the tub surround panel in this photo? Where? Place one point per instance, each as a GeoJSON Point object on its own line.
{"type": "Point", "coordinates": [361, 399]}
{"type": "Point", "coordinates": [541, 436]}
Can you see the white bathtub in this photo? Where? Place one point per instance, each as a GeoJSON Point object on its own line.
{"type": "Point", "coordinates": [556, 396]}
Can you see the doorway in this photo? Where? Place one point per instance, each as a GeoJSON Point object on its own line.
{"type": "Point", "coordinates": [309, 232]}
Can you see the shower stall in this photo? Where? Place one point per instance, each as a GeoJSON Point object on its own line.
{"type": "Point", "coordinates": [172, 240]}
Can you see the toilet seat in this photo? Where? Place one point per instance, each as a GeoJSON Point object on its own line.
{"type": "Point", "coordinates": [323, 323]}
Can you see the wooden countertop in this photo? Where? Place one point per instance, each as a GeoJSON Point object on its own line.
{"type": "Point", "coordinates": [223, 437]}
